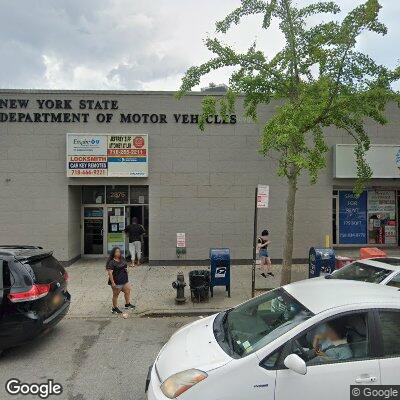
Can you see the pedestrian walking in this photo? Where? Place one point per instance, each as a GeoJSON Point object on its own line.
{"type": "Point", "coordinates": [135, 232]}
{"type": "Point", "coordinates": [118, 279]}
{"type": "Point", "coordinates": [265, 262]}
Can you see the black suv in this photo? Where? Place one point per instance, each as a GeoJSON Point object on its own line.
{"type": "Point", "coordinates": [33, 293]}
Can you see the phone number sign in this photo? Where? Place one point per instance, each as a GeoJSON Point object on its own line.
{"type": "Point", "coordinates": [112, 155]}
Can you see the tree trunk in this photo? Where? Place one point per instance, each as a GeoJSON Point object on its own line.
{"type": "Point", "coordinates": [288, 245]}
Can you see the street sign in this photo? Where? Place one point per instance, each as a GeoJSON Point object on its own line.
{"type": "Point", "coordinates": [262, 196]}
{"type": "Point", "coordinates": [180, 240]}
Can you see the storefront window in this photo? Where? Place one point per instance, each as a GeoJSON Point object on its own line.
{"type": "Point", "coordinates": [139, 195]}
{"type": "Point", "coordinates": [93, 195]}
{"type": "Point", "coordinates": [382, 227]}
{"type": "Point", "coordinates": [368, 219]}
{"type": "Point", "coordinates": [352, 218]}
{"type": "Point", "coordinates": [117, 194]}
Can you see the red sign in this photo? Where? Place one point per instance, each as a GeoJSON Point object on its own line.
{"type": "Point", "coordinates": [138, 142]}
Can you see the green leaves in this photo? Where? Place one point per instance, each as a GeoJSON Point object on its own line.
{"type": "Point", "coordinates": [318, 76]}
{"type": "Point", "coordinates": [248, 7]}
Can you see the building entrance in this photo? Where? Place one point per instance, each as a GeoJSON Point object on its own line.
{"type": "Point", "coordinates": [141, 212]}
{"type": "Point", "coordinates": [106, 211]}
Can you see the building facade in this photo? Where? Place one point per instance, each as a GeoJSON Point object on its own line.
{"type": "Point", "coordinates": [59, 194]}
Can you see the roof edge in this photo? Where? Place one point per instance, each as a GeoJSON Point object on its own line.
{"type": "Point", "coordinates": [107, 92]}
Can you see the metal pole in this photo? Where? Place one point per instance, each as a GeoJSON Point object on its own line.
{"type": "Point", "coordinates": [253, 271]}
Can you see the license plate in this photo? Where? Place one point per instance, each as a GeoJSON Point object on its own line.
{"type": "Point", "coordinates": [57, 299]}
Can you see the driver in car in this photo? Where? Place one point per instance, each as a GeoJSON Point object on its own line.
{"type": "Point", "coordinates": [331, 344]}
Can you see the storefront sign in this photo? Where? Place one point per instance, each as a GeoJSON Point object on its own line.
{"type": "Point", "coordinates": [382, 217]}
{"type": "Point", "coordinates": [116, 239]}
{"type": "Point", "coordinates": [262, 196]}
{"type": "Point", "coordinates": [118, 155]}
{"type": "Point", "coordinates": [352, 218]}
{"type": "Point", "coordinates": [382, 201]}
{"type": "Point", "coordinates": [127, 156]}
{"type": "Point", "coordinates": [83, 111]}
{"type": "Point", "coordinates": [390, 234]}
{"type": "Point", "coordinates": [384, 161]}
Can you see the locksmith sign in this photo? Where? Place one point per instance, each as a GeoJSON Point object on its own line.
{"type": "Point", "coordinates": [107, 155]}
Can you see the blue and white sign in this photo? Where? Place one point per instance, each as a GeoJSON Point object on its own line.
{"type": "Point", "coordinates": [352, 218]}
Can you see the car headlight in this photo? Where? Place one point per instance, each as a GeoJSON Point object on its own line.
{"type": "Point", "coordinates": [178, 383]}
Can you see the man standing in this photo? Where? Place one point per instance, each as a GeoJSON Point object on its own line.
{"type": "Point", "coordinates": [135, 232]}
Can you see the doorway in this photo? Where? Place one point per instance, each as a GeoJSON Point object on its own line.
{"type": "Point", "coordinates": [141, 212]}
{"type": "Point", "coordinates": [93, 231]}
{"type": "Point", "coordinates": [106, 210]}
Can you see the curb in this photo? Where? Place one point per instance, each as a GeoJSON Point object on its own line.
{"type": "Point", "coordinates": [178, 313]}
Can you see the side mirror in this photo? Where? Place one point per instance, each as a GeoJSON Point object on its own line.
{"type": "Point", "coordinates": [295, 364]}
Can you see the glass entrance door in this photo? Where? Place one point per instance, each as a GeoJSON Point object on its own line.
{"type": "Point", "coordinates": [93, 231]}
{"type": "Point", "coordinates": [115, 228]}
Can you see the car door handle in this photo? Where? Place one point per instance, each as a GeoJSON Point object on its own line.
{"type": "Point", "coordinates": [366, 379]}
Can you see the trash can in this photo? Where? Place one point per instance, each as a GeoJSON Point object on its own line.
{"type": "Point", "coordinates": [320, 260]}
{"type": "Point", "coordinates": [220, 261]}
{"type": "Point", "coordinates": [199, 282]}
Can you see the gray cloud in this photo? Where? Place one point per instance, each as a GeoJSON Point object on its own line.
{"type": "Point", "coordinates": [132, 44]}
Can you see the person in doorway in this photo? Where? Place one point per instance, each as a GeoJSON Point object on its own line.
{"type": "Point", "coordinates": [262, 243]}
{"type": "Point", "coordinates": [118, 279]}
{"type": "Point", "coordinates": [135, 232]}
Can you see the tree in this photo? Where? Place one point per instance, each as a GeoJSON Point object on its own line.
{"type": "Point", "coordinates": [321, 80]}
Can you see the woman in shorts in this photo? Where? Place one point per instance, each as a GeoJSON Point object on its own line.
{"type": "Point", "coordinates": [266, 265]}
{"type": "Point", "coordinates": [118, 279]}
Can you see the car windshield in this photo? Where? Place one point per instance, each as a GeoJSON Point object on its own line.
{"type": "Point", "coordinates": [256, 323]}
{"type": "Point", "coordinates": [362, 272]}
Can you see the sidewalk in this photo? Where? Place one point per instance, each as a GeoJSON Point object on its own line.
{"type": "Point", "coordinates": [152, 291]}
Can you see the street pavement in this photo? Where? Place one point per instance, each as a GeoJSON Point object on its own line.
{"type": "Point", "coordinates": [93, 359]}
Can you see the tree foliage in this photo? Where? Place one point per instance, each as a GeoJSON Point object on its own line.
{"type": "Point", "coordinates": [320, 76]}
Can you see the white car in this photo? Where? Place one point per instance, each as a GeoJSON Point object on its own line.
{"type": "Point", "coordinates": [385, 271]}
{"type": "Point", "coordinates": [307, 340]}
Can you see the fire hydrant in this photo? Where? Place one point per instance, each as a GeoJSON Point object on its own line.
{"type": "Point", "coordinates": [179, 285]}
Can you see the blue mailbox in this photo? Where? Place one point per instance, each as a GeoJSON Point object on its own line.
{"type": "Point", "coordinates": [220, 260]}
{"type": "Point", "coordinates": [320, 260]}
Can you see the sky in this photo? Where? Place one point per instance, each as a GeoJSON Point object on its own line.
{"type": "Point", "coordinates": [137, 44]}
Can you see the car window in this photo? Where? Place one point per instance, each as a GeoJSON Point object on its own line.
{"type": "Point", "coordinates": [272, 361]}
{"type": "Point", "coordinates": [46, 269]}
{"type": "Point", "coordinates": [256, 323]}
{"type": "Point", "coordinates": [358, 271]}
{"type": "Point", "coordinates": [4, 275]}
{"type": "Point", "coordinates": [340, 339]}
{"type": "Point", "coordinates": [395, 281]}
{"type": "Point", "coordinates": [390, 325]}
{"type": "Point", "coordinates": [20, 277]}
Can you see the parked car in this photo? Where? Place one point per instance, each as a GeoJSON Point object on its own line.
{"type": "Point", "coordinates": [33, 293]}
{"type": "Point", "coordinates": [307, 340]}
{"type": "Point", "coordinates": [385, 271]}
